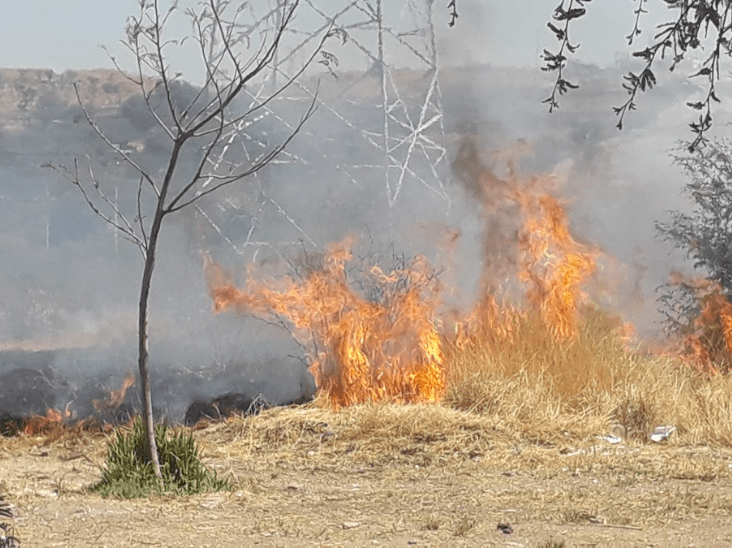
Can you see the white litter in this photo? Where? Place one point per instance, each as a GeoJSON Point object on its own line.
{"type": "Point", "coordinates": [662, 433]}
{"type": "Point", "coordinates": [617, 434]}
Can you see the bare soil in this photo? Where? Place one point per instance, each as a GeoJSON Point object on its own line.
{"type": "Point", "coordinates": [299, 480]}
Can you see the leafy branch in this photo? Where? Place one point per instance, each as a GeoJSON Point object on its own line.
{"type": "Point", "coordinates": [698, 23]}
{"type": "Point", "coordinates": [558, 61]}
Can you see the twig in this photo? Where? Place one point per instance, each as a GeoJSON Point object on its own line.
{"type": "Point", "coordinates": [614, 526]}
{"type": "Point", "coordinates": [452, 8]}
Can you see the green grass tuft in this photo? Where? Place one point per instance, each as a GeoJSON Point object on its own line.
{"type": "Point", "coordinates": [129, 475]}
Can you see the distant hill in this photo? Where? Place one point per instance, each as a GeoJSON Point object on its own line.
{"type": "Point", "coordinates": [28, 93]}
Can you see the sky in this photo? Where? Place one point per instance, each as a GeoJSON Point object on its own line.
{"type": "Point", "coordinates": [67, 34]}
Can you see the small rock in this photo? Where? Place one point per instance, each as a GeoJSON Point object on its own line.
{"type": "Point", "coordinates": [505, 528]}
{"type": "Point", "coordinates": [350, 524]}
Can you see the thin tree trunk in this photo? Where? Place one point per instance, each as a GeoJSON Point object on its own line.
{"type": "Point", "coordinates": [143, 355]}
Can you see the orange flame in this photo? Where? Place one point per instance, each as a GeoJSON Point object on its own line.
{"type": "Point", "coordinates": [544, 254]}
{"type": "Point", "coordinates": [555, 264]}
{"type": "Point", "coordinates": [707, 340]}
{"type": "Point", "coordinates": [386, 347]}
{"type": "Point", "coordinates": [114, 400]}
{"type": "Point", "coordinates": [36, 424]}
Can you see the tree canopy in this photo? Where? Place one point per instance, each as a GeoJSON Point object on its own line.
{"type": "Point", "coordinates": [703, 26]}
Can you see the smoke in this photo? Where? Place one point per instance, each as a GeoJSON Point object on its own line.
{"type": "Point", "coordinates": [70, 284]}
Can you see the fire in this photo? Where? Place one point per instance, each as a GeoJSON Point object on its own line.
{"type": "Point", "coordinates": [707, 338]}
{"type": "Point", "coordinates": [36, 424]}
{"type": "Point", "coordinates": [377, 343]}
{"type": "Point", "coordinates": [555, 265]}
{"type": "Point", "coordinates": [382, 340]}
{"type": "Point", "coordinates": [115, 396]}
{"type": "Point", "coordinates": [543, 254]}
{"type": "Point", "coordinates": [55, 419]}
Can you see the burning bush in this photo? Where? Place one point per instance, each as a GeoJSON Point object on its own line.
{"type": "Point", "coordinates": [699, 309]}
{"type": "Point", "coordinates": [375, 335]}
{"type": "Point", "coordinates": [372, 343]}
{"type": "Point", "coordinates": [699, 314]}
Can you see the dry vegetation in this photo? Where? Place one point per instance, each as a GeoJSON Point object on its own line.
{"type": "Point", "coordinates": [503, 441]}
{"type": "Point", "coordinates": [518, 439]}
{"type": "Point", "coordinates": [536, 382]}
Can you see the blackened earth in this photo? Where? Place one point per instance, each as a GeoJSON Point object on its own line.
{"type": "Point", "coordinates": [80, 381]}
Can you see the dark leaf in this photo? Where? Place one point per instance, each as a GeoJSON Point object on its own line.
{"type": "Point", "coordinates": [564, 85]}
{"type": "Point", "coordinates": [575, 13]}
{"type": "Point", "coordinates": [713, 18]}
{"type": "Point", "coordinates": [647, 80]}
{"type": "Point", "coordinates": [557, 31]}
{"type": "Point", "coordinates": [646, 54]}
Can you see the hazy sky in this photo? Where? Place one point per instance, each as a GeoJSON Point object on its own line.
{"type": "Point", "coordinates": [66, 34]}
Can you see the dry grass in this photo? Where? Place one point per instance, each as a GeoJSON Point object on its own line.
{"type": "Point", "coordinates": [518, 439]}
{"type": "Point", "coordinates": [537, 383]}
{"type": "Point", "coordinates": [397, 474]}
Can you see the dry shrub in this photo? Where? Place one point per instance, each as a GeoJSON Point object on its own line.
{"type": "Point", "coordinates": [537, 382]}
{"type": "Point", "coordinates": [523, 345]}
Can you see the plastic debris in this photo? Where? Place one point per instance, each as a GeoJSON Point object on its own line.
{"type": "Point", "coordinates": [617, 434]}
{"type": "Point", "coordinates": [662, 433]}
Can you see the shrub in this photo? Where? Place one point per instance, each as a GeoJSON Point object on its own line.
{"type": "Point", "coordinates": [128, 474]}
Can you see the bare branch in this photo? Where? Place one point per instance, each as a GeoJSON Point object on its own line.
{"type": "Point", "coordinates": [110, 203]}
{"type": "Point", "coordinates": [158, 29]}
{"type": "Point", "coordinates": [272, 96]}
{"type": "Point", "coordinates": [127, 233]}
{"type": "Point", "coordinates": [112, 145]}
{"type": "Point", "coordinates": [636, 26]}
{"type": "Point", "coordinates": [124, 74]}
{"type": "Point", "coordinates": [243, 79]}
{"type": "Point", "coordinates": [140, 217]}
{"type": "Point", "coordinates": [210, 74]}
{"type": "Point", "coordinates": [197, 175]}
{"type": "Point", "coordinates": [211, 66]}
{"type": "Point", "coordinates": [141, 55]}
{"type": "Point", "coordinates": [227, 180]}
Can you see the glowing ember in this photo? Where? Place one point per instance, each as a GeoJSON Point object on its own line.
{"type": "Point", "coordinates": [36, 424]}
{"type": "Point", "coordinates": [384, 346]}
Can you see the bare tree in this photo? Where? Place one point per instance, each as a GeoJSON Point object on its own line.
{"type": "Point", "coordinates": [206, 126]}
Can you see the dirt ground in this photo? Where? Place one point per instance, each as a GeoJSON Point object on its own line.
{"type": "Point", "coordinates": [314, 490]}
